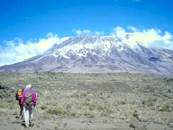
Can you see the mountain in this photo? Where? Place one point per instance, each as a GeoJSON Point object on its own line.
{"type": "Point", "coordinates": [86, 54]}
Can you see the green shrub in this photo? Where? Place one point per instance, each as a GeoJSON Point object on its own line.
{"type": "Point", "coordinates": [165, 108]}
{"type": "Point", "coordinates": [43, 107]}
{"type": "Point", "coordinates": [89, 115]}
{"type": "Point", "coordinates": [57, 111]}
{"type": "Point", "coordinates": [149, 102]}
{"type": "Point", "coordinates": [73, 114]}
{"type": "Point", "coordinates": [56, 127]}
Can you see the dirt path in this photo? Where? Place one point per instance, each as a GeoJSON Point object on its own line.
{"type": "Point", "coordinates": [10, 122]}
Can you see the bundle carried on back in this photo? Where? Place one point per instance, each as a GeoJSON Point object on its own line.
{"type": "Point", "coordinates": [29, 97]}
{"type": "Point", "coordinates": [29, 100]}
{"type": "Point", "coordinates": [19, 94]}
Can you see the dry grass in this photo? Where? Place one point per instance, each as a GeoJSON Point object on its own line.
{"type": "Point", "coordinates": [115, 96]}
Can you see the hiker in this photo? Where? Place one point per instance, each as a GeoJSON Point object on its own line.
{"type": "Point", "coordinates": [29, 100]}
{"type": "Point", "coordinates": [19, 94]}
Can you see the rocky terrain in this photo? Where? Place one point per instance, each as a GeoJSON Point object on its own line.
{"type": "Point", "coordinates": [120, 101]}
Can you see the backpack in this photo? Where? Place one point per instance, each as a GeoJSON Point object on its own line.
{"type": "Point", "coordinates": [19, 93]}
{"type": "Point", "coordinates": [28, 100]}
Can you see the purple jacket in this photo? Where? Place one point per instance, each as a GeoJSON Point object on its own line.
{"type": "Point", "coordinates": [26, 93]}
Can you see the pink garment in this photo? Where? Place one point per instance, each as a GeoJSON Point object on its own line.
{"type": "Point", "coordinates": [26, 93]}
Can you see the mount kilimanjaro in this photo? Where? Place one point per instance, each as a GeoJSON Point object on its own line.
{"type": "Point", "coordinates": [97, 54]}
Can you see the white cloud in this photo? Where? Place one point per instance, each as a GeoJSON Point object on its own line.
{"type": "Point", "coordinates": [17, 50]}
{"type": "Point", "coordinates": [80, 32]}
{"type": "Point", "coordinates": [148, 38]}
{"type": "Point", "coordinates": [87, 31]}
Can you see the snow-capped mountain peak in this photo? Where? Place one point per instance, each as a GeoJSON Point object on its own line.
{"type": "Point", "coordinates": [86, 53]}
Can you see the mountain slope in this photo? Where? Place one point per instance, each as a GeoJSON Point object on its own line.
{"type": "Point", "coordinates": [97, 54]}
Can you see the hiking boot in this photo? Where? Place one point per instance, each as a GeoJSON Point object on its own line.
{"type": "Point", "coordinates": [31, 124]}
{"type": "Point", "coordinates": [17, 117]}
{"type": "Point", "coordinates": [26, 125]}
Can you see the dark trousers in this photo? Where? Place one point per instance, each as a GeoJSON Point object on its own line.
{"type": "Point", "coordinates": [21, 108]}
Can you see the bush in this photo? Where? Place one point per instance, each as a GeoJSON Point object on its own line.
{"type": "Point", "coordinates": [89, 115]}
{"type": "Point", "coordinates": [165, 108]}
{"type": "Point", "coordinates": [43, 107]}
{"type": "Point", "coordinates": [57, 111]}
{"type": "Point", "coordinates": [149, 102]}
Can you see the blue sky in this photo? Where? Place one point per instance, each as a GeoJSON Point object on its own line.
{"type": "Point", "coordinates": [30, 19]}
{"type": "Point", "coordinates": [36, 25]}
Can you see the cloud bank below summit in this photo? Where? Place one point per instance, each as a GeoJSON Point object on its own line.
{"type": "Point", "coordinates": [18, 50]}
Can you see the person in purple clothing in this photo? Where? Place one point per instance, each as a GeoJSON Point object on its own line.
{"type": "Point", "coordinates": [29, 101]}
{"type": "Point", "coordinates": [19, 94]}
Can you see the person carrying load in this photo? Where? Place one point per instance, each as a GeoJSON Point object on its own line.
{"type": "Point", "coordinates": [29, 101]}
{"type": "Point", "coordinates": [19, 95]}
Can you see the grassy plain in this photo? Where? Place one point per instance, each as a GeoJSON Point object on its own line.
{"type": "Point", "coordinates": [120, 101]}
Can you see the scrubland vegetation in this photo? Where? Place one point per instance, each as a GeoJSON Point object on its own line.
{"type": "Point", "coordinates": [92, 101]}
